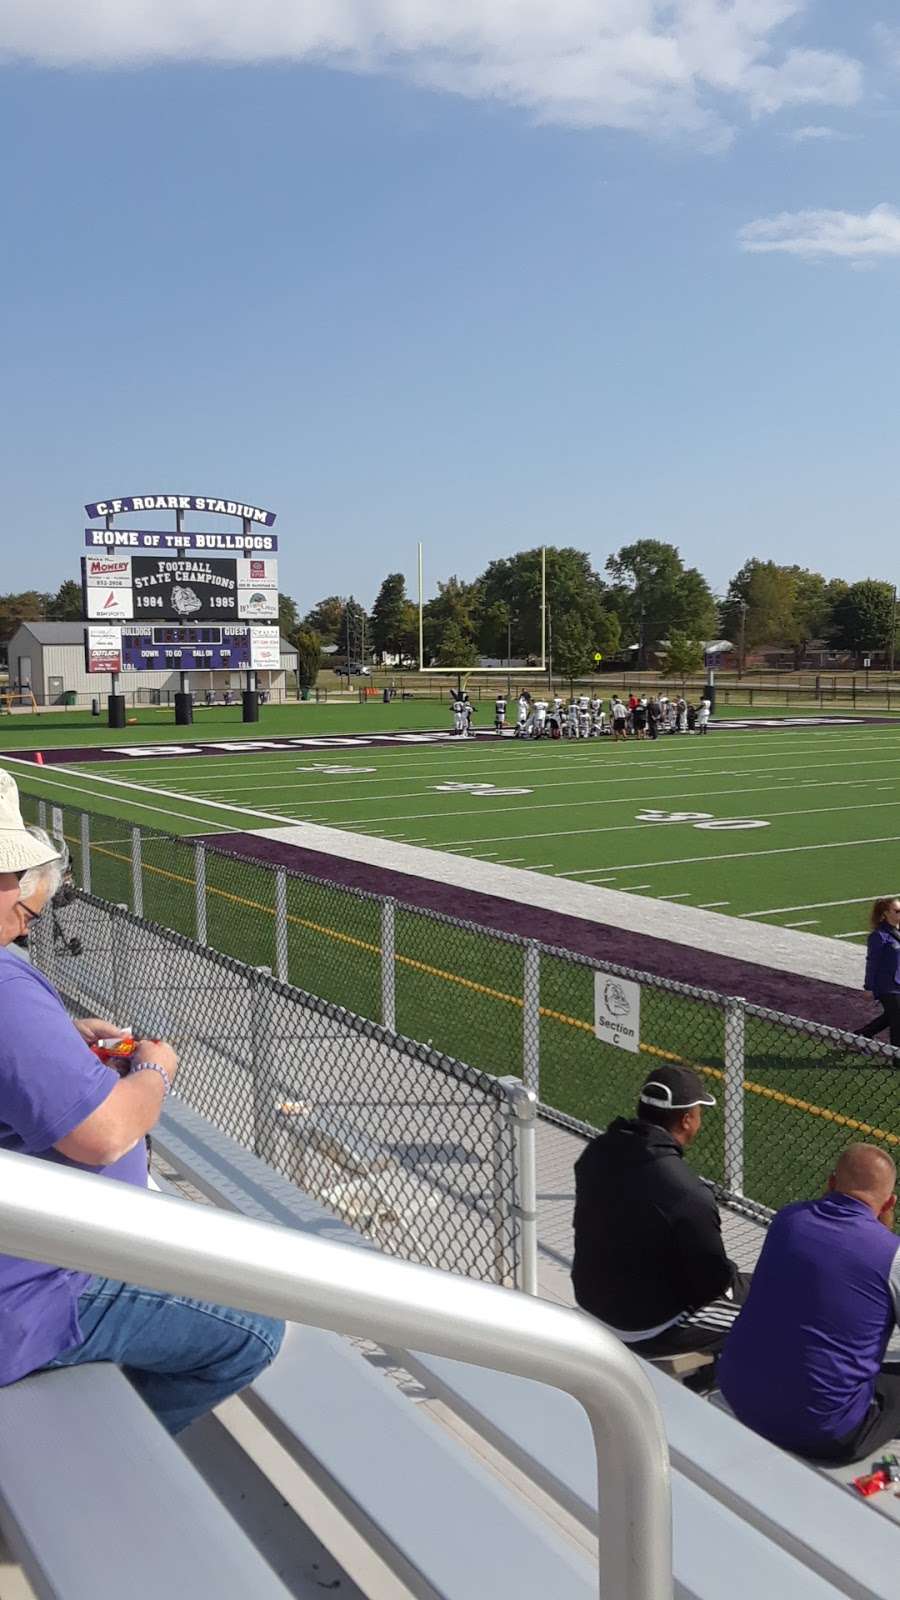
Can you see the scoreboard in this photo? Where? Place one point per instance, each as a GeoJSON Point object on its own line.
{"type": "Point", "coordinates": [202, 647]}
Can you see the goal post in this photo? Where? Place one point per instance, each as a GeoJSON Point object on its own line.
{"type": "Point", "coordinates": [450, 668]}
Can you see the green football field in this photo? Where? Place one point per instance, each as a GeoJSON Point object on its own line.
{"type": "Point", "coordinates": [796, 826]}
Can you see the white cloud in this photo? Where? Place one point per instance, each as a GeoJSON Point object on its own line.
{"type": "Point", "coordinates": [654, 66]}
{"type": "Point", "coordinates": [859, 238]}
{"type": "Point", "coordinates": [815, 131]}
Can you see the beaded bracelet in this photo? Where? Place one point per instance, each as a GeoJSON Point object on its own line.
{"type": "Point", "coordinates": [153, 1066]}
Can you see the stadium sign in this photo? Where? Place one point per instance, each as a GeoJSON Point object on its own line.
{"type": "Point", "coordinates": [617, 1011]}
{"type": "Point", "coordinates": [184, 586]}
{"type": "Point", "coordinates": [179, 502]}
{"type": "Point", "coordinates": [226, 544]}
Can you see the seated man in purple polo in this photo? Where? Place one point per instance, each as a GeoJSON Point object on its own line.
{"type": "Point", "coordinates": [59, 1103]}
{"type": "Point", "coordinates": [803, 1365]}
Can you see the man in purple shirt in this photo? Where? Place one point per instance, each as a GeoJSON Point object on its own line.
{"type": "Point", "coordinates": [804, 1363]}
{"type": "Point", "coordinates": [59, 1103]}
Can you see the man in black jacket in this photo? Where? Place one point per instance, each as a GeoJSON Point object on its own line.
{"type": "Point", "coordinates": [649, 1257]}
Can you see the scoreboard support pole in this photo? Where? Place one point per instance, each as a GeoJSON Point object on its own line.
{"type": "Point", "coordinates": [115, 703]}
{"type": "Point", "coordinates": [184, 704]}
{"type": "Point", "coordinates": [250, 697]}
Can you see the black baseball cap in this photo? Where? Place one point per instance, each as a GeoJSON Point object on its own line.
{"type": "Point", "coordinates": [672, 1088]}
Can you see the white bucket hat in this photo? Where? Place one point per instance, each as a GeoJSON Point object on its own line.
{"type": "Point", "coordinates": [19, 850]}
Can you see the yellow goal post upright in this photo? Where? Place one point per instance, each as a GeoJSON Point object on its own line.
{"type": "Point", "coordinates": [462, 674]}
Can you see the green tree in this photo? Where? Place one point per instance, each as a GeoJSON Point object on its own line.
{"type": "Point", "coordinates": [456, 648]}
{"type": "Point", "coordinates": [390, 617]}
{"type": "Point", "coordinates": [327, 619]}
{"type": "Point", "coordinates": [456, 605]}
{"type": "Point", "coordinates": [760, 605]}
{"type": "Point", "coordinates": [309, 657]}
{"type": "Point", "coordinates": [288, 616]}
{"type": "Point", "coordinates": [573, 647]}
{"type": "Point", "coordinates": [655, 594]}
{"type": "Point", "coordinates": [67, 604]}
{"type": "Point", "coordinates": [510, 591]}
{"type": "Point", "coordinates": [683, 655]}
{"type": "Point", "coordinates": [29, 606]}
{"type": "Point", "coordinates": [863, 617]}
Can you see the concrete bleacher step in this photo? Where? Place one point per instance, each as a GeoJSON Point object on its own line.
{"type": "Point", "coordinates": [405, 1485]}
{"type": "Point", "coordinates": [790, 1531]}
{"type": "Point", "coordinates": [97, 1502]}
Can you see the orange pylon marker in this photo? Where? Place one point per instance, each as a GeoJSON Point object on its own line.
{"type": "Point", "coordinates": [39, 758]}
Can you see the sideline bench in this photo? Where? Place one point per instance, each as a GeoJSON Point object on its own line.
{"type": "Point", "coordinates": [97, 1502]}
{"type": "Point", "coordinates": [748, 1520]}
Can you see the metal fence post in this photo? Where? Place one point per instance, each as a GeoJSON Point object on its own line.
{"type": "Point", "coordinates": [200, 893]}
{"type": "Point", "coordinates": [137, 875]}
{"type": "Point", "coordinates": [388, 971]}
{"type": "Point", "coordinates": [281, 925]}
{"type": "Point", "coordinates": [42, 813]}
{"type": "Point", "coordinates": [117, 955]}
{"type": "Point", "coordinates": [85, 852]}
{"type": "Point", "coordinates": [531, 1018]}
{"type": "Point", "coordinates": [523, 1109]}
{"type": "Point", "coordinates": [734, 1096]}
{"type": "Point", "coordinates": [503, 1187]}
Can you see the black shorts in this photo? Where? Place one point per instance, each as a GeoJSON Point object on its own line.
{"type": "Point", "coordinates": [619, 724]}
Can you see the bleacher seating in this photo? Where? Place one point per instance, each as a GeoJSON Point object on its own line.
{"type": "Point", "coordinates": [96, 1500]}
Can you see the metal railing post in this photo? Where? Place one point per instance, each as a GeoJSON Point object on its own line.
{"type": "Point", "coordinates": [51, 1213]}
{"type": "Point", "coordinates": [735, 1019]}
{"type": "Point", "coordinates": [200, 893]}
{"type": "Point", "coordinates": [531, 1018]}
{"type": "Point", "coordinates": [523, 1109]}
{"type": "Point", "coordinates": [281, 926]}
{"type": "Point", "coordinates": [388, 967]}
{"type": "Point", "coordinates": [42, 814]}
{"type": "Point", "coordinates": [137, 874]}
{"type": "Point", "coordinates": [85, 852]}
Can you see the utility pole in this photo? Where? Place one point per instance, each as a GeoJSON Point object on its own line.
{"type": "Point", "coordinates": [742, 649]}
{"type": "Point", "coordinates": [893, 639]}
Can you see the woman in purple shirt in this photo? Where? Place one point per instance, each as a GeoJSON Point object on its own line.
{"type": "Point", "coordinates": [883, 967]}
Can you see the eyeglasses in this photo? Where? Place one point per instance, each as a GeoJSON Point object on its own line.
{"type": "Point", "coordinates": [30, 912]}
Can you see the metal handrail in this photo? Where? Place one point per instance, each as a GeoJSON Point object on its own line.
{"type": "Point", "coordinates": [50, 1213]}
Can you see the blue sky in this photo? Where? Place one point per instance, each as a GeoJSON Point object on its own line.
{"type": "Point", "coordinates": [582, 274]}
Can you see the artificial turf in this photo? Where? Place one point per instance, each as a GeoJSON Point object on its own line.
{"type": "Point", "coordinates": [826, 846]}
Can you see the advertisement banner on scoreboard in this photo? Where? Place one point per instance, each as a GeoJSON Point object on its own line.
{"type": "Point", "coordinates": [106, 587]}
{"type": "Point", "coordinates": [185, 587]}
{"type": "Point", "coordinates": [265, 649]}
{"type": "Point", "coordinates": [103, 649]}
{"type": "Point", "coordinates": [257, 581]}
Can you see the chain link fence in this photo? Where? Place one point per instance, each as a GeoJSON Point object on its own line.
{"type": "Point", "coordinates": [422, 1153]}
{"type": "Point", "coordinates": [790, 1093]}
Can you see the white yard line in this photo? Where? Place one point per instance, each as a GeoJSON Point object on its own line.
{"type": "Point", "coordinates": [629, 888]}
{"type": "Point", "coordinates": [36, 776]}
{"type": "Point", "coordinates": [459, 775]}
{"type": "Point", "coordinates": [860, 935]}
{"type": "Point", "coordinates": [713, 905]}
{"type": "Point", "coordinates": [140, 788]}
{"type": "Point", "coordinates": [814, 905]}
{"type": "Point", "coordinates": [683, 894]}
{"type": "Point", "coordinates": [811, 922]}
{"type": "Point", "coordinates": [482, 756]}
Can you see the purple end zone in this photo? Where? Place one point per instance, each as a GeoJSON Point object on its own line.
{"type": "Point", "coordinates": [804, 997]}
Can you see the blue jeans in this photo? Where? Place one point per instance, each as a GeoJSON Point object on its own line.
{"type": "Point", "coordinates": [182, 1356]}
